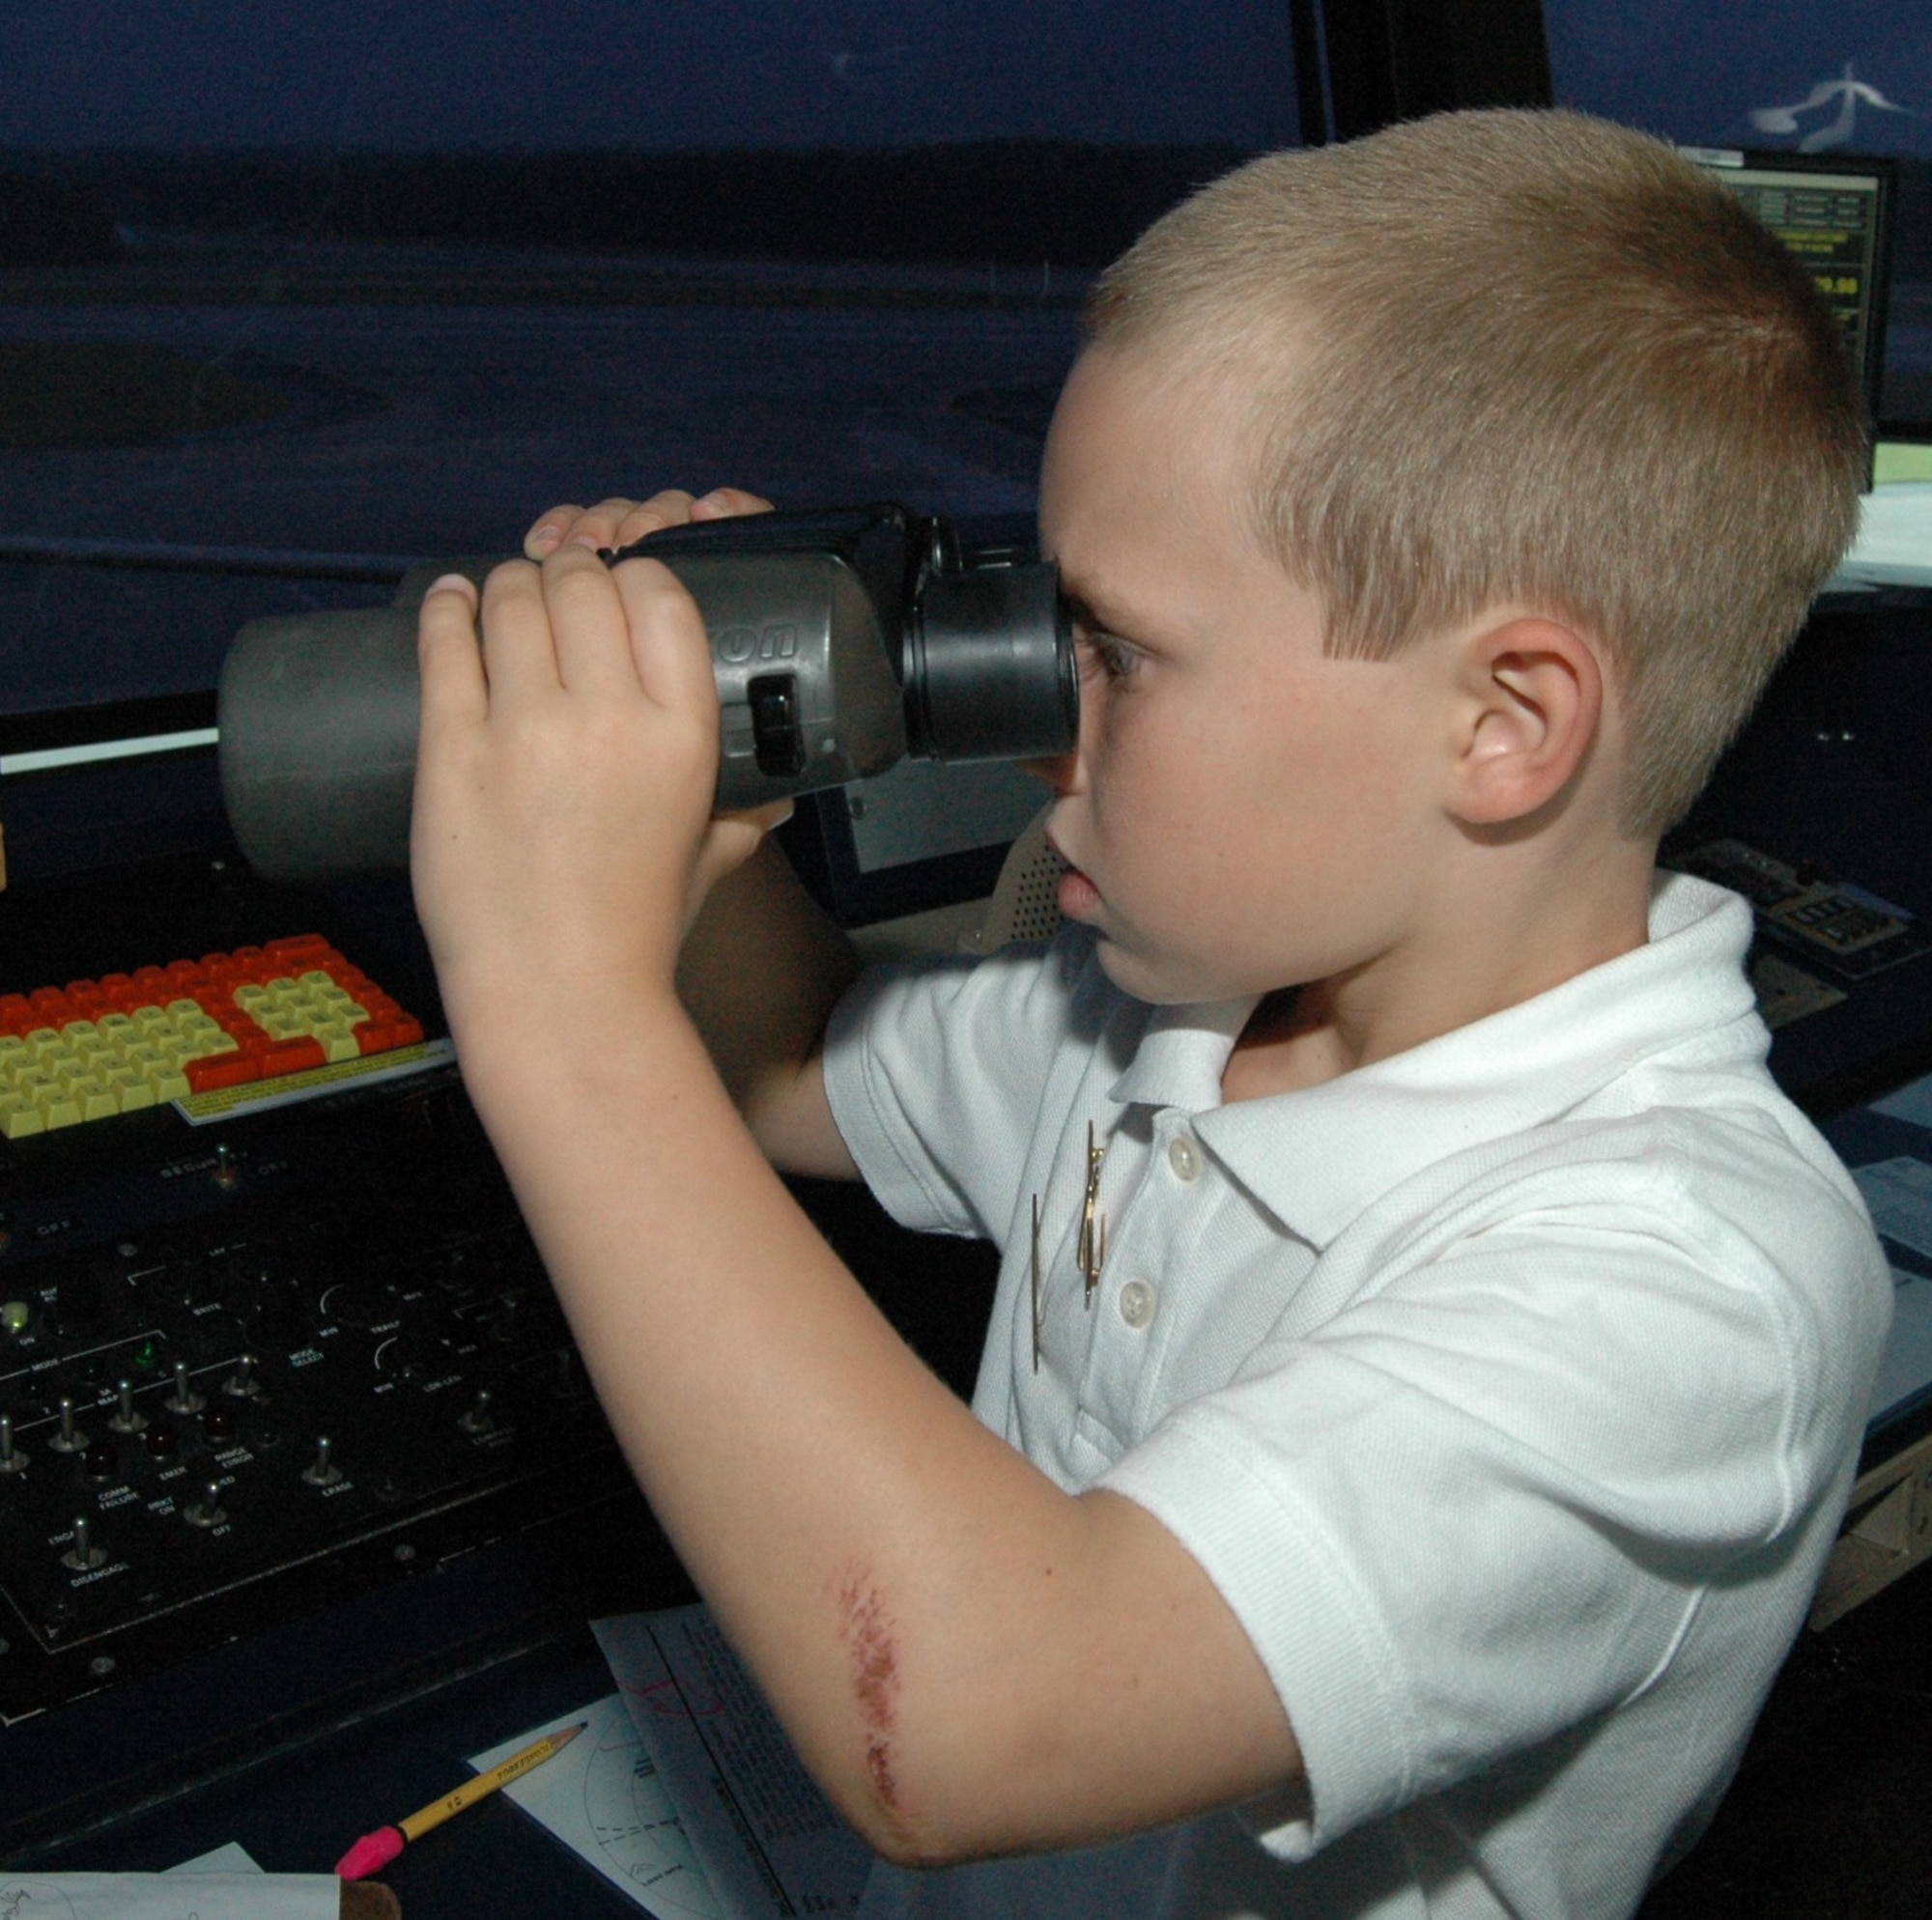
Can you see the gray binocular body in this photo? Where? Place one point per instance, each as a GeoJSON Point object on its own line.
{"type": "Point", "coordinates": [842, 642]}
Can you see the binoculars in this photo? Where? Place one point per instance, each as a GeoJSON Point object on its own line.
{"type": "Point", "coordinates": [842, 642]}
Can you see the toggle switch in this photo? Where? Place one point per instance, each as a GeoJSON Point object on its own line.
{"type": "Point", "coordinates": [125, 1419]}
{"type": "Point", "coordinates": [69, 1439]}
{"type": "Point", "coordinates": [241, 1384]}
{"type": "Point", "coordinates": [84, 1555]}
{"type": "Point", "coordinates": [13, 1460]}
{"type": "Point", "coordinates": [207, 1511]}
{"type": "Point", "coordinates": [184, 1399]}
{"type": "Point", "coordinates": [321, 1470]}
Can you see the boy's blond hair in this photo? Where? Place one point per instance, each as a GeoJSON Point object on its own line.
{"type": "Point", "coordinates": [1531, 359]}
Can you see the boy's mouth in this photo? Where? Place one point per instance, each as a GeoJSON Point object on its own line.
{"type": "Point", "coordinates": [1076, 896]}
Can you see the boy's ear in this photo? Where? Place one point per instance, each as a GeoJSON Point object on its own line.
{"type": "Point", "coordinates": [1529, 703]}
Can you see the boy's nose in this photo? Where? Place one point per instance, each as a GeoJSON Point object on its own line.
{"type": "Point", "coordinates": [1060, 773]}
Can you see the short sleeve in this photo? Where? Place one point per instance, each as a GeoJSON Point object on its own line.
{"type": "Point", "coordinates": [936, 1075]}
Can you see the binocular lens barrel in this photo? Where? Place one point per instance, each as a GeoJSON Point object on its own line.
{"type": "Point", "coordinates": [991, 673]}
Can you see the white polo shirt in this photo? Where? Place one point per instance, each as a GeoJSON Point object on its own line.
{"type": "Point", "coordinates": [1508, 1390]}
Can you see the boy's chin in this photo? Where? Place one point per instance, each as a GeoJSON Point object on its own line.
{"type": "Point", "coordinates": [1144, 977]}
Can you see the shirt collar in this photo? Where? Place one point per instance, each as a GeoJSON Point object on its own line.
{"type": "Point", "coordinates": [1316, 1158]}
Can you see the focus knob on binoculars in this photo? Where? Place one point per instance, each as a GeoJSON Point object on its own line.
{"type": "Point", "coordinates": [842, 642]}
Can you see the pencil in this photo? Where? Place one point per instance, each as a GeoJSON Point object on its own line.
{"type": "Point", "coordinates": [377, 1849]}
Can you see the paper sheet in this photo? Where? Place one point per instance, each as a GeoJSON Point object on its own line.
{"type": "Point", "coordinates": [769, 1841]}
{"type": "Point", "coordinates": [1906, 1371]}
{"type": "Point", "coordinates": [602, 1798]}
{"type": "Point", "coordinates": [177, 1896]}
{"type": "Point", "coordinates": [1899, 1192]}
{"type": "Point", "coordinates": [1894, 541]}
{"type": "Point", "coordinates": [233, 1858]}
{"type": "Point", "coordinates": [1913, 1102]}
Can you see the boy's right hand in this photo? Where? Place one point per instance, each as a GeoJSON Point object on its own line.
{"type": "Point", "coordinates": [617, 523]}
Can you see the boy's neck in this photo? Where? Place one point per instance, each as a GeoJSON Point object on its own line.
{"type": "Point", "coordinates": [1489, 959]}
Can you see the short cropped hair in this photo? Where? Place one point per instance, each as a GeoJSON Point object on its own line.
{"type": "Point", "coordinates": [1523, 358]}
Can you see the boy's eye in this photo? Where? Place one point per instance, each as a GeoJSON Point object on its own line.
{"type": "Point", "coordinates": [1108, 654]}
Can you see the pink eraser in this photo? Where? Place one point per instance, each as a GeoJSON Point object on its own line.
{"type": "Point", "coordinates": [373, 1850]}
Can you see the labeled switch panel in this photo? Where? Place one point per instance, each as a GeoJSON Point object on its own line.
{"type": "Point", "coordinates": [245, 1376]}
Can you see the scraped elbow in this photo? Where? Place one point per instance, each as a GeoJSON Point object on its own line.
{"type": "Point", "coordinates": [877, 1808]}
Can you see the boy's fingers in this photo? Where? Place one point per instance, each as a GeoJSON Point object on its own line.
{"type": "Point", "coordinates": [670, 508]}
{"type": "Point", "coordinates": [617, 523]}
{"type": "Point", "coordinates": [729, 841]}
{"type": "Point", "coordinates": [449, 662]}
{"type": "Point", "coordinates": [590, 630]}
{"type": "Point", "coordinates": [668, 640]}
{"type": "Point", "coordinates": [611, 523]}
{"type": "Point", "coordinates": [740, 831]}
{"type": "Point", "coordinates": [519, 657]}
{"type": "Point", "coordinates": [726, 503]}
{"type": "Point", "coordinates": [547, 535]}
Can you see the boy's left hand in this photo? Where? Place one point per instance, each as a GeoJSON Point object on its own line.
{"type": "Point", "coordinates": [562, 839]}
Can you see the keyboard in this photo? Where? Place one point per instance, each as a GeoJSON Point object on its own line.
{"type": "Point", "coordinates": [93, 1049]}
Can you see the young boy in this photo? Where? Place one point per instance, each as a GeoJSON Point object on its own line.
{"type": "Point", "coordinates": [1401, 1501]}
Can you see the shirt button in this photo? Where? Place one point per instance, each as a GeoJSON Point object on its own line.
{"type": "Point", "coordinates": [1185, 1157]}
{"type": "Point", "coordinates": [1137, 1303]}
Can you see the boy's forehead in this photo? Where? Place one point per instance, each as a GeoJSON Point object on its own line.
{"type": "Point", "coordinates": [1145, 504]}
{"type": "Point", "coordinates": [1144, 386]}
{"type": "Point", "coordinates": [1142, 452]}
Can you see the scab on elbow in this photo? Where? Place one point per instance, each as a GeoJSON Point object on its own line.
{"type": "Point", "coordinates": [870, 1640]}
{"type": "Point", "coordinates": [872, 1647]}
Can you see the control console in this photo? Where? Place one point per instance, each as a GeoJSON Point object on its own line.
{"type": "Point", "coordinates": [247, 1369]}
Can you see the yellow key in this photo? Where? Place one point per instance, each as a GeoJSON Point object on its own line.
{"type": "Point", "coordinates": [19, 1117]}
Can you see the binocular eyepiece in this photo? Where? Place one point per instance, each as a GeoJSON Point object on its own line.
{"type": "Point", "coordinates": [842, 642]}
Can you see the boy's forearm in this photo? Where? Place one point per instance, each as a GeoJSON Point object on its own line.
{"type": "Point", "coordinates": [759, 974]}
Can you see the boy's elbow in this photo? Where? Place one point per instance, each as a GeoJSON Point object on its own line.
{"type": "Point", "coordinates": [945, 1787]}
{"type": "Point", "coordinates": [905, 1843]}
{"type": "Point", "coordinates": [903, 1779]}
{"type": "Point", "coordinates": [990, 1763]}
{"type": "Point", "coordinates": [932, 1822]}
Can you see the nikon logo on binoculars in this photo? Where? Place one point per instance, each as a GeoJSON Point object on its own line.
{"type": "Point", "coordinates": [735, 645]}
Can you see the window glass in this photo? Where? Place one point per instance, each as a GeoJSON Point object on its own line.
{"type": "Point", "coordinates": [292, 291]}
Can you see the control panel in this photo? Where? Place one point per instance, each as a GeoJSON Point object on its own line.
{"type": "Point", "coordinates": [1817, 937]}
{"type": "Point", "coordinates": [247, 1371]}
